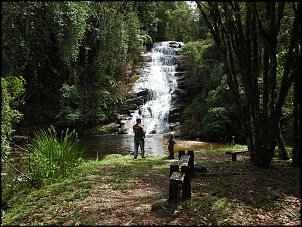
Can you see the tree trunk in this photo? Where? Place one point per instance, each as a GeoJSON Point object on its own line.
{"type": "Point", "coordinates": [282, 152]}
{"type": "Point", "coordinates": [264, 143]}
{"type": "Point", "coordinates": [297, 124]}
{"type": "Point", "coordinates": [261, 157]}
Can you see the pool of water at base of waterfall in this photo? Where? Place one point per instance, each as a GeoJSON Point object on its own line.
{"type": "Point", "coordinates": [155, 145]}
{"type": "Point", "coordinates": [100, 145]}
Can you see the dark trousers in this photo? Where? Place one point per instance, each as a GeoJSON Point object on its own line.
{"type": "Point", "coordinates": [171, 150]}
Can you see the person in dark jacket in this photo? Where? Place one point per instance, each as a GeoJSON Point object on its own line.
{"type": "Point", "coordinates": [139, 138]}
{"type": "Point", "coordinates": [171, 142]}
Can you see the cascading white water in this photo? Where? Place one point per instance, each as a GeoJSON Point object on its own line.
{"type": "Point", "coordinates": [160, 83]}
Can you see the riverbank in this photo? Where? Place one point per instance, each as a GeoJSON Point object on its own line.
{"type": "Point", "coordinates": [119, 190]}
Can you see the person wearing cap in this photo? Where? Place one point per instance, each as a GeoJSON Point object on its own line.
{"type": "Point", "coordinates": [139, 138]}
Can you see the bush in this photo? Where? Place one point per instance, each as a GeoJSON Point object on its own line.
{"type": "Point", "coordinates": [53, 156]}
{"type": "Point", "coordinates": [12, 88]}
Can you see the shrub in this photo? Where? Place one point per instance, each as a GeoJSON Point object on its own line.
{"type": "Point", "coordinates": [12, 87]}
{"type": "Point", "coordinates": [53, 156]}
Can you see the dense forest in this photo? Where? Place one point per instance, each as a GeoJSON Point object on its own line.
{"type": "Point", "coordinates": [68, 66]}
{"type": "Point", "coordinates": [71, 64]}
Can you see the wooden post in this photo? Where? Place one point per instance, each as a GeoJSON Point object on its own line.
{"type": "Point", "coordinates": [176, 180]}
{"type": "Point", "coordinates": [180, 153]}
{"type": "Point", "coordinates": [191, 162]}
{"type": "Point", "coordinates": [234, 157]}
{"type": "Point", "coordinates": [173, 191]}
{"type": "Point", "coordinates": [186, 185]}
{"type": "Point", "coordinates": [173, 168]}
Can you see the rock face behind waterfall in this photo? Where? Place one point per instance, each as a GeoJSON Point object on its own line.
{"type": "Point", "coordinates": [140, 93]}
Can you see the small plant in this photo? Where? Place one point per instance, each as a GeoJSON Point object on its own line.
{"type": "Point", "coordinates": [12, 189]}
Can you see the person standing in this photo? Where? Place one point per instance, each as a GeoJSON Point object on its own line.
{"type": "Point", "coordinates": [139, 138]}
{"type": "Point", "coordinates": [170, 142]}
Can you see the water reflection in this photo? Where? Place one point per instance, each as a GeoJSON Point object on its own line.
{"type": "Point", "coordinates": [155, 145]}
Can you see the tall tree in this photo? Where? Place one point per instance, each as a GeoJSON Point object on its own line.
{"type": "Point", "coordinates": [257, 41]}
{"type": "Point", "coordinates": [297, 122]}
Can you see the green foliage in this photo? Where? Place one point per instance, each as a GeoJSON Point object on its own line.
{"type": "Point", "coordinates": [136, 37]}
{"type": "Point", "coordinates": [167, 20]}
{"type": "Point", "coordinates": [212, 114]}
{"type": "Point", "coordinates": [12, 88]}
{"type": "Point", "coordinates": [68, 22]}
{"type": "Point", "coordinates": [91, 45]}
{"type": "Point", "coordinates": [52, 156]}
{"type": "Point", "coordinates": [15, 48]}
{"type": "Point", "coordinates": [192, 59]}
{"type": "Point", "coordinates": [12, 189]}
{"type": "Point", "coordinates": [216, 124]}
{"type": "Point", "coordinates": [202, 62]}
{"type": "Point", "coordinates": [69, 114]}
{"type": "Point", "coordinates": [214, 117]}
{"type": "Point", "coordinates": [180, 25]}
{"type": "Point", "coordinates": [153, 17]}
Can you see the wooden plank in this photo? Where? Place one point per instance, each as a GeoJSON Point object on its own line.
{"type": "Point", "coordinates": [185, 157]}
{"type": "Point", "coordinates": [177, 176]}
{"type": "Point", "coordinates": [174, 191]}
{"type": "Point", "coordinates": [184, 160]}
{"type": "Point", "coordinates": [234, 154]}
{"type": "Point", "coordinates": [174, 168]}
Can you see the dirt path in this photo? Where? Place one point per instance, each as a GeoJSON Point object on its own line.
{"type": "Point", "coordinates": [142, 205]}
{"type": "Point", "coordinates": [124, 207]}
{"type": "Point", "coordinates": [143, 201]}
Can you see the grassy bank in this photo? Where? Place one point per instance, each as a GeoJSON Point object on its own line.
{"type": "Point", "coordinates": [119, 190]}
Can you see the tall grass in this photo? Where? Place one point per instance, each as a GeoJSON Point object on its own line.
{"type": "Point", "coordinates": [52, 156]}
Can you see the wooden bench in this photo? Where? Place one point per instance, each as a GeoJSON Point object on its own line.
{"type": "Point", "coordinates": [190, 162]}
{"type": "Point", "coordinates": [234, 154]}
{"type": "Point", "coordinates": [180, 178]}
{"type": "Point", "coordinates": [177, 180]}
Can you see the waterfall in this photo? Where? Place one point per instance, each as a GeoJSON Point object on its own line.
{"type": "Point", "coordinates": [158, 78]}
